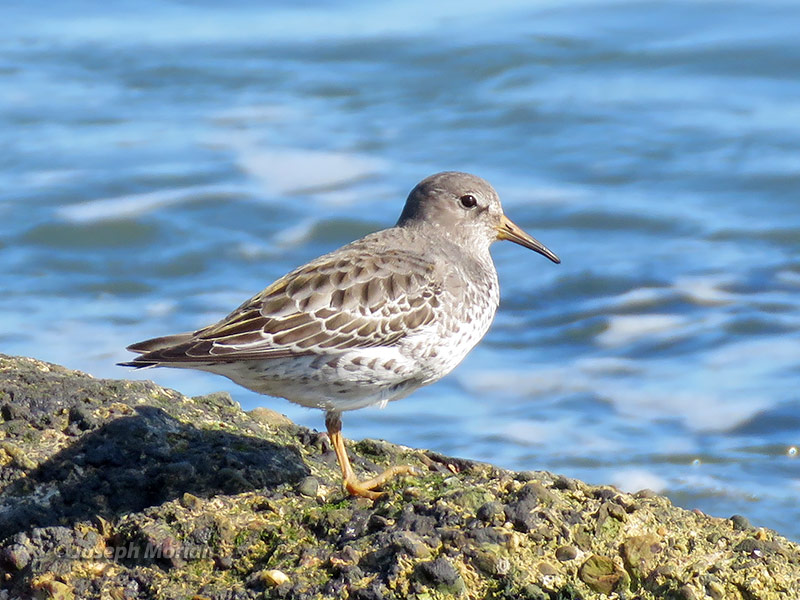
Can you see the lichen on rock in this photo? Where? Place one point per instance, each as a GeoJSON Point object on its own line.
{"type": "Point", "coordinates": [128, 490]}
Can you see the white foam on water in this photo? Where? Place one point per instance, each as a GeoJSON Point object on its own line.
{"type": "Point", "coordinates": [698, 410]}
{"type": "Point", "coordinates": [526, 193]}
{"type": "Point", "coordinates": [715, 392]}
{"type": "Point", "coordinates": [132, 205]}
{"type": "Point", "coordinates": [633, 480]}
{"type": "Point", "coordinates": [253, 250]}
{"type": "Point", "coordinates": [160, 308]}
{"type": "Point", "coordinates": [252, 114]}
{"type": "Point", "coordinates": [706, 290]}
{"type": "Point", "coordinates": [702, 484]}
{"type": "Point", "coordinates": [757, 368]}
{"type": "Point", "coordinates": [296, 234]}
{"type": "Point", "coordinates": [640, 297]}
{"type": "Point", "coordinates": [699, 290]}
{"type": "Point", "coordinates": [537, 381]}
{"type": "Point", "coordinates": [286, 171]}
{"type": "Point", "coordinates": [625, 329]}
{"type": "Point", "coordinates": [608, 365]}
{"type": "Point", "coordinates": [353, 195]}
{"type": "Point", "coordinates": [46, 178]}
{"type": "Point", "coordinates": [564, 437]}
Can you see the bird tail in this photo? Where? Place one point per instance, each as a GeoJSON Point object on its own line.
{"type": "Point", "coordinates": [150, 349]}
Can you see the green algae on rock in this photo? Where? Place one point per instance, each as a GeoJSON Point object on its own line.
{"type": "Point", "coordinates": [125, 489]}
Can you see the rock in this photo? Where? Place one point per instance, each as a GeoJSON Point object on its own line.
{"type": "Point", "coordinates": [441, 575]}
{"type": "Point", "coordinates": [266, 416]}
{"type": "Point", "coordinates": [740, 523]}
{"type": "Point", "coordinates": [601, 574]}
{"type": "Point", "coordinates": [492, 560]}
{"type": "Point", "coordinates": [491, 512]}
{"type": "Point", "coordinates": [758, 548]}
{"type": "Point", "coordinates": [536, 494]}
{"type": "Point", "coordinates": [686, 592]}
{"type": "Point", "coordinates": [547, 569]}
{"type": "Point", "coordinates": [17, 456]}
{"type": "Point", "coordinates": [639, 553]}
{"type": "Point", "coordinates": [645, 494]}
{"type": "Point", "coordinates": [274, 577]}
{"type": "Point", "coordinates": [112, 488]}
{"type": "Point", "coordinates": [378, 522]}
{"type": "Point", "coordinates": [611, 510]}
{"type": "Point", "coordinates": [81, 418]}
{"type": "Point", "coordinates": [715, 590]}
{"type": "Point", "coordinates": [308, 486]}
{"type": "Point", "coordinates": [410, 543]}
{"type": "Point", "coordinates": [565, 483]}
{"type": "Point", "coordinates": [46, 587]}
{"type": "Point", "coordinates": [566, 553]}
{"type": "Point", "coordinates": [525, 476]}
{"type": "Point", "coordinates": [15, 557]}
{"type": "Point", "coordinates": [11, 411]}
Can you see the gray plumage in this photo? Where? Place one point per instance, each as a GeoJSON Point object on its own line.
{"type": "Point", "coordinates": [371, 321]}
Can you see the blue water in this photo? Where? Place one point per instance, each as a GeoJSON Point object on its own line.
{"type": "Point", "coordinates": [161, 162]}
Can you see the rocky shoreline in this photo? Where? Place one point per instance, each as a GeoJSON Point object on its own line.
{"type": "Point", "coordinates": [123, 489]}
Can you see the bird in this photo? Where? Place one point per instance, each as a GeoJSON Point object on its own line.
{"type": "Point", "coordinates": [367, 323]}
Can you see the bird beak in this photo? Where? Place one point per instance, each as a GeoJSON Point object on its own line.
{"type": "Point", "coordinates": [507, 230]}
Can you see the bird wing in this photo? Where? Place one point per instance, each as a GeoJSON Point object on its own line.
{"type": "Point", "coordinates": [358, 298]}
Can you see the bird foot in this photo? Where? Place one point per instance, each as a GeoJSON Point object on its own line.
{"type": "Point", "coordinates": [364, 488]}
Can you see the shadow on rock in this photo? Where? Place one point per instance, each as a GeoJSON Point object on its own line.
{"type": "Point", "coordinates": [142, 460]}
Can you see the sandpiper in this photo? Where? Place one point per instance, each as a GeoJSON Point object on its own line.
{"type": "Point", "coordinates": [370, 322]}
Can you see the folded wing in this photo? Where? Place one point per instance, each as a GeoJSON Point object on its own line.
{"type": "Point", "coordinates": [354, 299]}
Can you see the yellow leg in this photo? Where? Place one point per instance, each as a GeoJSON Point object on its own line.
{"type": "Point", "coordinates": [333, 422]}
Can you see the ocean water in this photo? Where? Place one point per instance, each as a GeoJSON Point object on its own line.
{"type": "Point", "coordinates": [163, 161]}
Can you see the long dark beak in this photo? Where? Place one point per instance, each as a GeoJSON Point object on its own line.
{"type": "Point", "coordinates": [507, 230]}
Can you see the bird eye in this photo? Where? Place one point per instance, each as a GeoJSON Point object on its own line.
{"type": "Point", "coordinates": [468, 201]}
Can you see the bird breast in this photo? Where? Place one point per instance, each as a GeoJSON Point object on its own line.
{"type": "Point", "coordinates": [469, 300]}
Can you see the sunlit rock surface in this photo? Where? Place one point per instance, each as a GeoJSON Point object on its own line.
{"type": "Point", "coordinates": [122, 489]}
